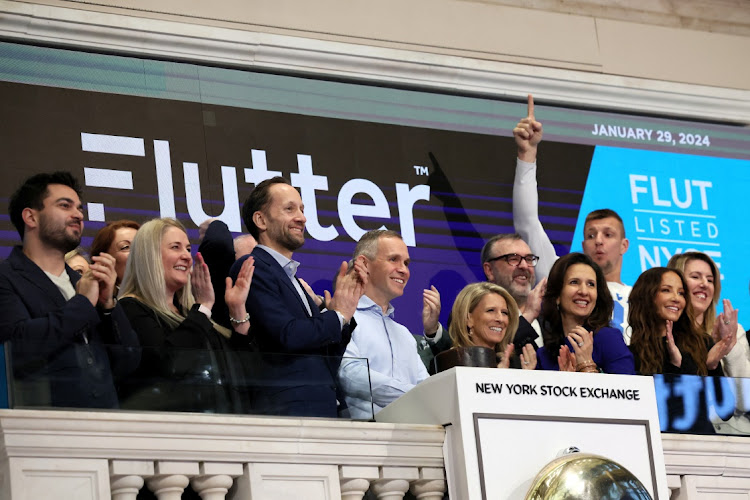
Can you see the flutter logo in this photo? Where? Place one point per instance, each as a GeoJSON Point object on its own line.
{"type": "Point", "coordinates": [304, 179]}
{"type": "Point", "coordinates": [670, 216]}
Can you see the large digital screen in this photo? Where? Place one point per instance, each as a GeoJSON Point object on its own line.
{"type": "Point", "coordinates": [152, 138]}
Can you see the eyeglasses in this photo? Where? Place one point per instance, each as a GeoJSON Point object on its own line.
{"type": "Point", "coordinates": [515, 260]}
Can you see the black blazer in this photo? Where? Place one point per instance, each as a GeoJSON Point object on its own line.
{"type": "Point", "coordinates": [298, 353]}
{"type": "Point", "coordinates": [524, 335]}
{"type": "Point", "coordinates": [217, 249]}
{"type": "Point", "coordinates": [189, 367]}
{"type": "Point", "coordinates": [64, 353]}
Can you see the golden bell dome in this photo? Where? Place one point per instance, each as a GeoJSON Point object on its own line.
{"type": "Point", "coordinates": [584, 476]}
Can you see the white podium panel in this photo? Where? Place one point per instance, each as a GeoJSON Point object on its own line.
{"type": "Point", "coordinates": [504, 426]}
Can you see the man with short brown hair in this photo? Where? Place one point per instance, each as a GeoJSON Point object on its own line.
{"type": "Point", "coordinates": [393, 364]}
{"type": "Point", "coordinates": [301, 345]}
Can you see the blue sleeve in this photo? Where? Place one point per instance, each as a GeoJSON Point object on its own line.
{"type": "Point", "coordinates": [545, 360]}
{"type": "Point", "coordinates": [611, 354]}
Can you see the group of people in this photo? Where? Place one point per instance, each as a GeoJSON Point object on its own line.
{"type": "Point", "coordinates": [146, 325]}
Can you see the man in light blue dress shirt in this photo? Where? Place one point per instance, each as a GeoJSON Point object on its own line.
{"type": "Point", "coordinates": [390, 349]}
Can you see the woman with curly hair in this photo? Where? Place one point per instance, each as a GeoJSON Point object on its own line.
{"type": "Point", "coordinates": [576, 311]}
{"type": "Point", "coordinates": [665, 338]}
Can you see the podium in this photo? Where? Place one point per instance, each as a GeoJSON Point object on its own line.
{"type": "Point", "coordinates": [504, 426]}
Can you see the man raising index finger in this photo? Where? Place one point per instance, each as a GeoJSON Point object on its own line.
{"type": "Point", "coordinates": [604, 232]}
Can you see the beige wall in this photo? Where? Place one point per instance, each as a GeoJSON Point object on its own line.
{"type": "Point", "coordinates": [685, 58]}
{"type": "Point", "coordinates": [698, 42]}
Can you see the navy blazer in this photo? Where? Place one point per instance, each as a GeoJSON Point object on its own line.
{"type": "Point", "coordinates": [64, 353]}
{"type": "Point", "coordinates": [299, 354]}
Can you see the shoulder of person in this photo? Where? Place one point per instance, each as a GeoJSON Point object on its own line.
{"type": "Point", "coordinates": [130, 301]}
{"type": "Point", "coordinates": [606, 332]}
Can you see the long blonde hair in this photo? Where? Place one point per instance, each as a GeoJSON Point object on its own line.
{"type": "Point", "coordinates": [466, 301]}
{"type": "Point", "coordinates": [144, 274]}
{"type": "Point", "coordinates": [680, 261]}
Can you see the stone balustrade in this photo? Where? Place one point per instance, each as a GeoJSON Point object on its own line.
{"type": "Point", "coordinates": [98, 455]}
{"type": "Point", "coordinates": [71, 455]}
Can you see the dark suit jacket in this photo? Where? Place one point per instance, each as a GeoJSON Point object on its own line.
{"type": "Point", "coordinates": [217, 249]}
{"type": "Point", "coordinates": [295, 373]}
{"type": "Point", "coordinates": [524, 335]}
{"type": "Point", "coordinates": [63, 353]}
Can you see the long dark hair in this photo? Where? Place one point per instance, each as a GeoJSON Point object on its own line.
{"type": "Point", "coordinates": [646, 341]}
{"type": "Point", "coordinates": [552, 328]}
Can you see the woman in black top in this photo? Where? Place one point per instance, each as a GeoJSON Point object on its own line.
{"type": "Point", "coordinates": [664, 338]}
{"type": "Point", "coordinates": [187, 364]}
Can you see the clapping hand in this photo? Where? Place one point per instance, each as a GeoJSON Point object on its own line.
{"type": "Point", "coordinates": [675, 356]}
{"type": "Point", "coordinates": [200, 280]}
{"type": "Point", "coordinates": [235, 295]}
{"type": "Point", "coordinates": [431, 311]}
{"type": "Point", "coordinates": [566, 360]}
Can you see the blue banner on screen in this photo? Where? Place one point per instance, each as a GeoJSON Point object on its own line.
{"type": "Point", "coordinates": [672, 203]}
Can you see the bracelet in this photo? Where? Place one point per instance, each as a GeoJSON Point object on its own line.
{"type": "Point", "coordinates": [107, 312]}
{"type": "Point", "coordinates": [589, 370]}
{"type": "Point", "coordinates": [585, 366]}
{"type": "Point", "coordinates": [240, 321]}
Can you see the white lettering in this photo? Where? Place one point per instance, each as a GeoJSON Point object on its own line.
{"type": "Point", "coordinates": [647, 260]}
{"type": "Point", "coordinates": [231, 213]}
{"type": "Point", "coordinates": [304, 179]}
{"type": "Point", "coordinates": [688, 194]}
{"type": "Point", "coordinates": [638, 229]}
{"type": "Point", "coordinates": [664, 223]}
{"type": "Point", "coordinates": [694, 231]}
{"type": "Point", "coordinates": [307, 182]}
{"type": "Point", "coordinates": [635, 189]}
{"type": "Point", "coordinates": [164, 178]}
{"type": "Point", "coordinates": [702, 185]}
{"type": "Point", "coordinates": [406, 200]}
{"type": "Point", "coordinates": [348, 210]}
{"type": "Point", "coordinates": [260, 171]}
{"type": "Point", "coordinates": [655, 195]}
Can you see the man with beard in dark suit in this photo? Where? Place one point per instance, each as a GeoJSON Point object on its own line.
{"type": "Point", "coordinates": [301, 345]}
{"type": "Point", "coordinates": [69, 338]}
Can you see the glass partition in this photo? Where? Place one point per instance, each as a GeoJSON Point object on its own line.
{"type": "Point", "coordinates": [252, 383]}
{"type": "Point", "coordinates": [703, 405]}
{"type": "Point", "coordinates": [96, 376]}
